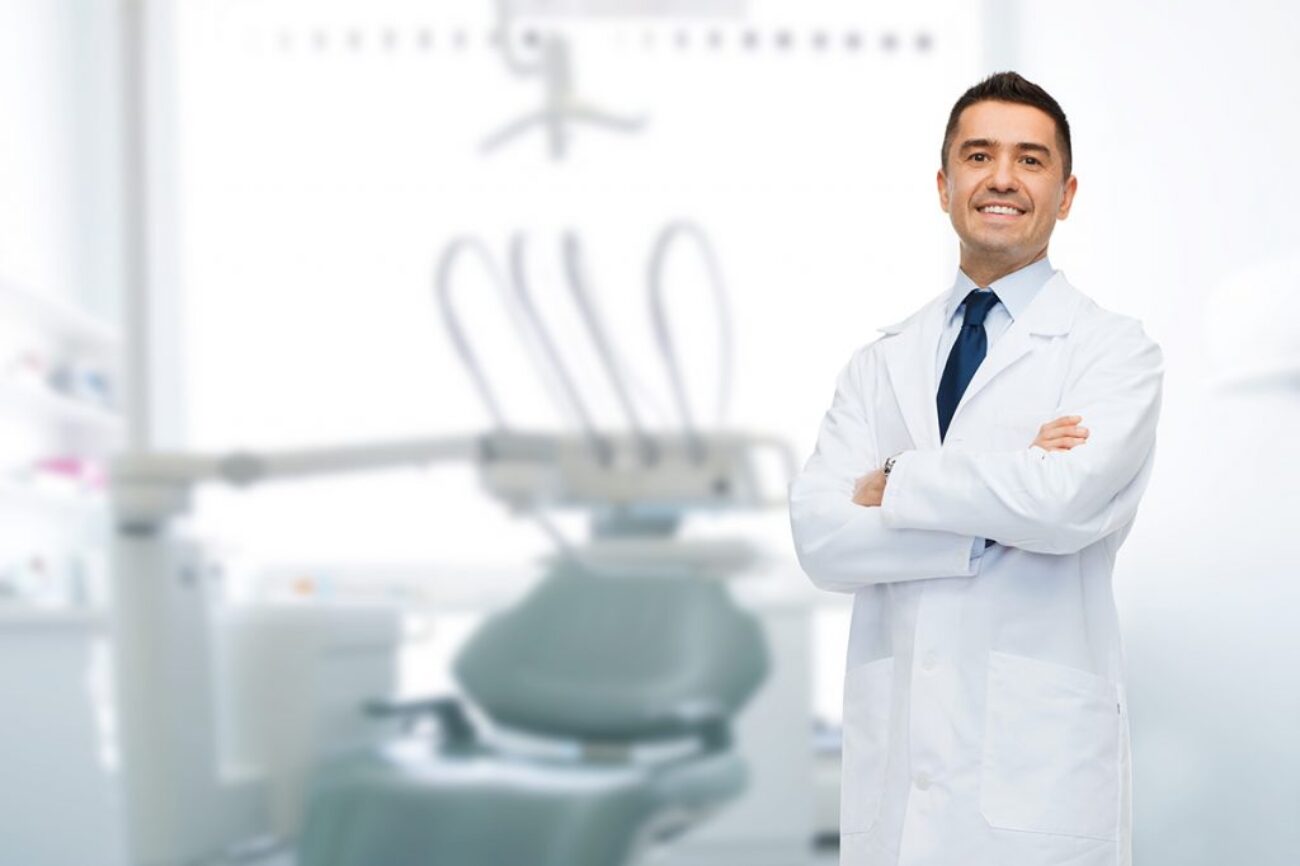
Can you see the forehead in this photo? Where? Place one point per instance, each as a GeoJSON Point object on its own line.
{"type": "Point", "coordinates": [1005, 122]}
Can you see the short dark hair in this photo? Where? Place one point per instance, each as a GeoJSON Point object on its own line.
{"type": "Point", "coordinates": [1011, 87]}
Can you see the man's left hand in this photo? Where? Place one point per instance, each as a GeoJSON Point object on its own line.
{"type": "Point", "coordinates": [869, 490]}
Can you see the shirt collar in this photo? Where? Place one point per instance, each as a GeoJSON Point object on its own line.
{"type": "Point", "coordinates": [1015, 290]}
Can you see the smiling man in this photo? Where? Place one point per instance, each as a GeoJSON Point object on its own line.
{"type": "Point", "coordinates": [956, 492]}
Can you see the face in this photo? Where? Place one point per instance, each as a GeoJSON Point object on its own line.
{"type": "Point", "coordinates": [1004, 153]}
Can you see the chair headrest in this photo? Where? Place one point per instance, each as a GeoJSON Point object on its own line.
{"type": "Point", "coordinates": [587, 656]}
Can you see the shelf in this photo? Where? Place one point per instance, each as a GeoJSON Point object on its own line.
{"type": "Point", "coordinates": [62, 318]}
{"type": "Point", "coordinates": [56, 407]}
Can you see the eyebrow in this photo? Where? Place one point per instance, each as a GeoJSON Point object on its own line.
{"type": "Point", "coordinates": [993, 143]}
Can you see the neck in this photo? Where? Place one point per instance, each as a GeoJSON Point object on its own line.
{"type": "Point", "coordinates": [984, 271]}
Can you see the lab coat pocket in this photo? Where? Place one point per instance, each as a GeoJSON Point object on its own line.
{"type": "Point", "coordinates": [1051, 749]}
{"type": "Point", "coordinates": [868, 699]}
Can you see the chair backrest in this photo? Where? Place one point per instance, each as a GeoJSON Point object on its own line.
{"type": "Point", "coordinates": [620, 658]}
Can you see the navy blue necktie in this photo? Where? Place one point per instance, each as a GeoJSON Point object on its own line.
{"type": "Point", "coordinates": [967, 353]}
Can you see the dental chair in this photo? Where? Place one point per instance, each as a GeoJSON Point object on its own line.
{"type": "Point", "coordinates": [617, 668]}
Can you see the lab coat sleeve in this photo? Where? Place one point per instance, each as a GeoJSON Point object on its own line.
{"type": "Point", "coordinates": [843, 546]}
{"type": "Point", "coordinates": [1054, 502]}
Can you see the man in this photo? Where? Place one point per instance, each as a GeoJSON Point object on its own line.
{"type": "Point", "coordinates": [957, 493]}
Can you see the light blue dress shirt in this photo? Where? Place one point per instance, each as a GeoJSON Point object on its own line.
{"type": "Point", "coordinates": [1014, 292]}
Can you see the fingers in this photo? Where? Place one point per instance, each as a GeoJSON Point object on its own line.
{"type": "Point", "coordinates": [1073, 432]}
{"type": "Point", "coordinates": [1063, 421]}
{"type": "Point", "coordinates": [1062, 434]}
{"type": "Point", "coordinates": [1067, 425]}
{"type": "Point", "coordinates": [1065, 443]}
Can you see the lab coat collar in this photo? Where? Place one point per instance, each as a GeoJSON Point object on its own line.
{"type": "Point", "coordinates": [909, 347]}
{"type": "Point", "coordinates": [1016, 290]}
{"type": "Point", "coordinates": [1048, 312]}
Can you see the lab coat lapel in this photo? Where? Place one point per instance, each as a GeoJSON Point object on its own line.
{"type": "Point", "coordinates": [911, 354]}
{"type": "Point", "coordinates": [909, 358]}
{"type": "Point", "coordinates": [1048, 314]}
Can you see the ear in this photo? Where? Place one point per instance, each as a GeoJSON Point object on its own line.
{"type": "Point", "coordinates": [942, 182]}
{"type": "Point", "coordinates": [1066, 200]}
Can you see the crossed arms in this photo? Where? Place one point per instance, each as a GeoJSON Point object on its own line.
{"type": "Point", "coordinates": [937, 504]}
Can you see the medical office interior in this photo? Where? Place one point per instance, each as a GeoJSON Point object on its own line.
{"type": "Point", "coordinates": [397, 401]}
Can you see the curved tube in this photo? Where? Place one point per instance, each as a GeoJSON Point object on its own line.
{"type": "Point", "coordinates": [602, 449]}
{"type": "Point", "coordinates": [663, 333]}
{"type": "Point", "coordinates": [573, 270]}
{"type": "Point", "coordinates": [442, 291]}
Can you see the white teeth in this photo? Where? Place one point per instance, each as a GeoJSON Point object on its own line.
{"type": "Point", "coordinates": [996, 208]}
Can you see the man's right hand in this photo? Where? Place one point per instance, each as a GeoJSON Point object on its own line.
{"type": "Point", "coordinates": [1062, 434]}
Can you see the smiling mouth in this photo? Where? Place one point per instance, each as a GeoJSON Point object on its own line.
{"type": "Point", "coordinates": [1000, 211]}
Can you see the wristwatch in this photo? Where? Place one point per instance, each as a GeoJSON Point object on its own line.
{"type": "Point", "coordinates": [889, 466]}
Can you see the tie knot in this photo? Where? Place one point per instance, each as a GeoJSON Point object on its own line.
{"type": "Point", "coordinates": [978, 304]}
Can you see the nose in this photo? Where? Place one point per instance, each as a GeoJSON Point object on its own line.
{"type": "Point", "coordinates": [1003, 178]}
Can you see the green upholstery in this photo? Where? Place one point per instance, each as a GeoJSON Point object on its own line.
{"type": "Point", "coordinates": [476, 811]}
{"type": "Point", "coordinates": [589, 656]}
{"type": "Point", "coordinates": [582, 657]}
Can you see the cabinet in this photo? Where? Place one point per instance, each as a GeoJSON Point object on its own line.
{"type": "Point", "coordinates": [59, 375]}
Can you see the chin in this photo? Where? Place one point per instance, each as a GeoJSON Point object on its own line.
{"type": "Point", "coordinates": [989, 241]}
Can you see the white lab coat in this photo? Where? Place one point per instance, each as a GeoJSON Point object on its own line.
{"type": "Point", "coordinates": [985, 719]}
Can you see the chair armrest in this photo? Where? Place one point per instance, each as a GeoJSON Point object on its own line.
{"type": "Point", "coordinates": [707, 722]}
{"type": "Point", "coordinates": [715, 734]}
{"type": "Point", "coordinates": [456, 728]}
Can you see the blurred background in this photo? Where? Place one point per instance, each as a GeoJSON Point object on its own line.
{"type": "Point", "coordinates": [429, 270]}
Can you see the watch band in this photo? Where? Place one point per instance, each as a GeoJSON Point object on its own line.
{"type": "Point", "coordinates": [889, 465]}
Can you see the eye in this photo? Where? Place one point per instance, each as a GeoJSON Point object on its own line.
{"type": "Point", "coordinates": [1034, 160]}
{"type": "Point", "coordinates": [973, 155]}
